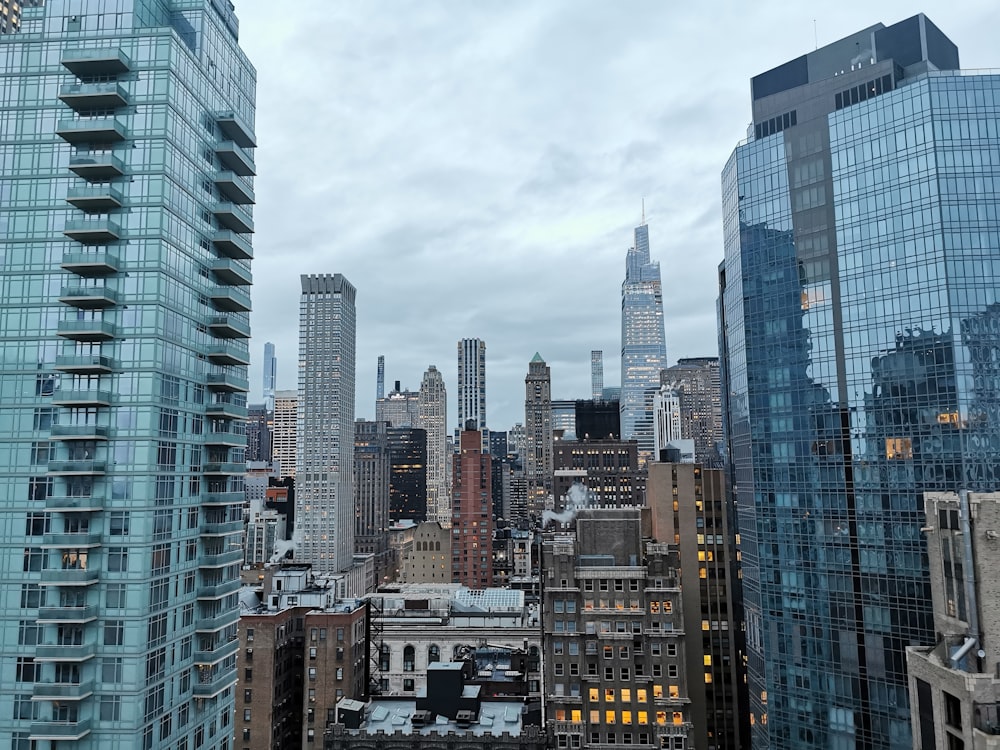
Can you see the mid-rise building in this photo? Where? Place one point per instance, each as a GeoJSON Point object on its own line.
{"type": "Point", "coordinates": [472, 514]}
{"type": "Point", "coordinates": [537, 457]}
{"type": "Point", "coordinates": [284, 431]}
{"type": "Point", "coordinates": [644, 349]}
{"type": "Point", "coordinates": [607, 472]}
{"type": "Point", "coordinates": [425, 555]}
{"type": "Point", "coordinates": [859, 333]}
{"type": "Point", "coordinates": [433, 419]}
{"type": "Point", "coordinates": [123, 276]}
{"type": "Point", "coordinates": [371, 494]}
{"type": "Point", "coordinates": [472, 383]}
{"type": "Point", "coordinates": [596, 374]}
{"type": "Point", "coordinates": [614, 637]}
{"type": "Point", "coordinates": [407, 474]}
{"type": "Point", "coordinates": [324, 477]}
{"type": "Point", "coordinates": [697, 384]}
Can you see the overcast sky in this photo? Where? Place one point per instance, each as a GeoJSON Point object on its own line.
{"type": "Point", "coordinates": [476, 168]}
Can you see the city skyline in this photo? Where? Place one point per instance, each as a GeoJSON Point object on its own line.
{"type": "Point", "coordinates": [503, 175]}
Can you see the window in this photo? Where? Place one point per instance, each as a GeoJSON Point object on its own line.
{"type": "Point", "coordinates": [952, 710]}
{"type": "Point", "coordinates": [409, 656]}
{"type": "Point", "coordinates": [246, 714]}
{"type": "Point", "coordinates": [114, 633]}
{"type": "Point", "coordinates": [408, 685]}
{"type": "Point", "coordinates": [117, 559]}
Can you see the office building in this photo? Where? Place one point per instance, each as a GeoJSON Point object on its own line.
{"type": "Point", "coordinates": [284, 431]}
{"type": "Point", "coordinates": [690, 509]}
{"type": "Point", "coordinates": [696, 382]}
{"type": "Point", "coordinates": [859, 318]}
{"type": "Point", "coordinates": [124, 266]}
{"type": "Point", "coordinates": [380, 379]}
{"type": "Point", "coordinates": [666, 419]}
{"type": "Point", "coordinates": [515, 439]}
{"type": "Point", "coordinates": [472, 383]}
{"type": "Point", "coordinates": [433, 419]}
{"type": "Point", "coordinates": [258, 433]}
{"type": "Point", "coordinates": [472, 513]}
{"type": "Point", "coordinates": [563, 419]}
{"type": "Point", "coordinates": [269, 375]}
{"type": "Point", "coordinates": [371, 494]}
{"type": "Point", "coordinates": [400, 408]}
{"type": "Point", "coordinates": [324, 477]}
{"type": "Point", "coordinates": [597, 420]}
{"type": "Point", "coordinates": [613, 635]}
{"type": "Point", "coordinates": [407, 474]}
{"type": "Point", "coordinates": [606, 471]}
{"type": "Point", "coordinates": [644, 349]}
{"type": "Point", "coordinates": [596, 374]}
{"type": "Point", "coordinates": [537, 458]}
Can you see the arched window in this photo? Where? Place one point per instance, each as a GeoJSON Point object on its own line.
{"type": "Point", "coordinates": [433, 654]}
{"type": "Point", "coordinates": [409, 654]}
{"type": "Point", "coordinates": [437, 546]}
{"type": "Point", "coordinates": [385, 654]}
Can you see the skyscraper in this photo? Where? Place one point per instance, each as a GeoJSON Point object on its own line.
{"type": "Point", "coordinates": [596, 374]}
{"type": "Point", "coordinates": [696, 382]}
{"type": "Point", "coordinates": [401, 408]}
{"type": "Point", "coordinates": [433, 418]}
{"type": "Point", "coordinates": [408, 474]}
{"type": "Point", "coordinates": [324, 476]}
{"type": "Point", "coordinates": [644, 349]}
{"type": "Point", "coordinates": [284, 431]}
{"type": "Point", "coordinates": [472, 383]}
{"type": "Point", "coordinates": [270, 375]}
{"type": "Point", "coordinates": [124, 327]}
{"type": "Point", "coordinates": [859, 326]}
{"type": "Point", "coordinates": [538, 427]}
{"type": "Point", "coordinates": [371, 493]}
{"type": "Point", "coordinates": [472, 515]}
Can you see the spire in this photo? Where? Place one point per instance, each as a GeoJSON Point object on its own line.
{"type": "Point", "coordinates": [643, 213]}
{"type": "Point", "coordinates": [538, 358]}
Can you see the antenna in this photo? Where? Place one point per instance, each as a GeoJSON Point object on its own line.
{"type": "Point", "coordinates": [643, 212]}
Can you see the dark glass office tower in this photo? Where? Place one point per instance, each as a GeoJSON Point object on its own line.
{"type": "Point", "coordinates": [858, 309]}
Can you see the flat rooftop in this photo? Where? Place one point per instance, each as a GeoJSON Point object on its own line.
{"type": "Point", "coordinates": [495, 718]}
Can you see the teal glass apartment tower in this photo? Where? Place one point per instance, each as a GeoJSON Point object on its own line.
{"type": "Point", "coordinates": [644, 348]}
{"type": "Point", "coordinates": [124, 275]}
{"type": "Point", "coordinates": [860, 332]}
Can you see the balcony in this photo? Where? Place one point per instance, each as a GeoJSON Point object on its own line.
{"type": "Point", "coordinates": [85, 364]}
{"type": "Point", "coordinates": [62, 691]}
{"type": "Point", "coordinates": [228, 327]}
{"type": "Point", "coordinates": [90, 264]}
{"type": "Point", "coordinates": [233, 216]}
{"type": "Point", "coordinates": [64, 652]}
{"type": "Point", "coordinates": [93, 231]}
{"type": "Point", "coordinates": [236, 129]}
{"type": "Point", "coordinates": [86, 97]}
{"type": "Point", "coordinates": [95, 198]}
{"type": "Point", "coordinates": [80, 468]}
{"type": "Point", "coordinates": [62, 504]}
{"type": "Point", "coordinates": [82, 397]}
{"type": "Point", "coordinates": [87, 330]}
{"type": "Point", "coordinates": [220, 561]}
{"type": "Point", "coordinates": [67, 615]}
{"type": "Point", "coordinates": [228, 354]}
{"type": "Point", "coordinates": [88, 63]}
{"type": "Point", "coordinates": [97, 166]}
{"type": "Point", "coordinates": [234, 158]}
{"type": "Point", "coordinates": [79, 432]}
{"type": "Point", "coordinates": [220, 621]}
{"type": "Point", "coordinates": [223, 528]}
{"type": "Point", "coordinates": [80, 540]}
{"type": "Point", "coordinates": [230, 272]}
{"type": "Point", "coordinates": [225, 410]}
{"type": "Point", "coordinates": [232, 245]}
{"type": "Point", "coordinates": [54, 731]}
{"type": "Point", "coordinates": [217, 654]}
{"type": "Point", "coordinates": [227, 438]}
{"type": "Point", "coordinates": [234, 187]}
{"type": "Point", "coordinates": [226, 382]}
{"type": "Point", "coordinates": [69, 577]}
{"type": "Point", "coordinates": [88, 297]}
{"type": "Point", "coordinates": [219, 590]}
{"type": "Point", "coordinates": [230, 299]}
{"type": "Point", "coordinates": [213, 686]}
{"type": "Point", "coordinates": [225, 467]}
{"type": "Point", "coordinates": [91, 130]}
{"type": "Point", "coordinates": [216, 499]}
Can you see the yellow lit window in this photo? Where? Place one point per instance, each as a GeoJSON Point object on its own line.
{"type": "Point", "coordinates": [626, 695]}
{"type": "Point", "coordinates": [576, 715]}
{"type": "Point", "coordinates": [678, 718]}
{"type": "Point", "coordinates": [626, 717]}
{"type": "Point", "coordinates": [609, 717]}
{"type": "Point", "coordinates": [595, 716]}
{"type": "Point", "coordinates": [701, 555]}
{"type": "Point", "coordinates": [643, 717]}
{"type": "Point", "coordinates": [899, 448]}
{"type": "Point", "coordinates": [609, 694]}
{"type": "Point", "coordinates": [675, 692]}
{"type": "Point", "coordinates": [654, 608]}
{"type": "Point", "coordinates": [560, 714]}
{"type": "Point", "coordinates": [640, 695]}
{"type": "Point", "coordinates": [661, 717]}
{"type": "Point", "coordinates": [668, 607]}
{"type": "Point", "coordinates": [708, 660]}
{"type": "Point", "coordinates": [704, 624]}
{"type": "Point", "coordinates": [702, 573]}
{"type": "Point", "coordinates": [657, 691]}
{"type": "Point", "coordinates": [595, 695]}
{"type": "Point", "coordinates": [708, 678]}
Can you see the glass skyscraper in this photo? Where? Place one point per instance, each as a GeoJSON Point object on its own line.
{"type": "Point", "coordinates": [644, 349]}
{"type": "Point", "coordinates": [124, 269]}
{"type": "Point", "coordinates": [860, 327]}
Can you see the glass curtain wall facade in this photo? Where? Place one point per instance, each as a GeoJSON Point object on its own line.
{"type": "Point", "coordinates": [124, 273]}
{"type": "Point", "coordinates": [644, 349]}
{"type": "Point", "coordinates": [860, 332]}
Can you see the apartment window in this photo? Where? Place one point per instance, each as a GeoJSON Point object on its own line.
{"type": "Point", "coordinates": [952, 710]}
{"type": "Point", "coordinates": [114, 633]}
{"type": "Point", "coordinates": [247, 695]}
{"type": "Point", "coordinates": [312, 674]}
{"type": "Point", "coordinates": [408, 685]}
{"type": "Point", "coordinates": [246, 714]}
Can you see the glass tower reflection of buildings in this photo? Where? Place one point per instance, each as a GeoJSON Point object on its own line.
{"type": "Point", "coordinates": [858, 295]}
{"type": "Point", "coordinates": [644, 349]}
{"type": "Point", "coordinates": [124, 270]}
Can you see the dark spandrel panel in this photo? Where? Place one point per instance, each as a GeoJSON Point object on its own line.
{"type": "Point", "coordinates": [788, 76]}
{"type": "Point", "coordinates": [900, 42]}
{"type": "Point", "coordinates": [940, 49]}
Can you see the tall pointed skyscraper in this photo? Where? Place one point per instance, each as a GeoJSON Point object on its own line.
{"type": "Point", "coordinates": [124, 265]}
{"type": "Point", "coordinates": [538, 428]}
{"type": "Point", "coordinates": [324, 477]}
{"type": "Point", "coordinates": [433, 419]}
{"type": "Point", "coordinates": [644, 349]}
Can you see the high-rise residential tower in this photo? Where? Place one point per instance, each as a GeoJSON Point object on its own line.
{"type": "Point", "coordinates": [596, 374]}
{"type": "Point", "coordinates": [860, 328]}
{"type": "Point", "coordinates": [123, 331]}
{"type": "Point", "coordinates": [472, 383]}
{"type": "Point", "coordinates": [644, 349]}
{"type": "Point", "coordinates": [284, 431]}
{"type": "Point", "coordinates": [433, 419]}
{"type": "Point", "coordinates": [324, 476]}
{"type": "Point", "coordinates": [270, 375]}
{"type": "Point", "coordinates": [371, 494]}
{"type": "Point", "coordinates": [472, 514]}
{"type": "Point", "coordinates": [538, 427]}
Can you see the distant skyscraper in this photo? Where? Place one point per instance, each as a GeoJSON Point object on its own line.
{"type": "Point", "coordinates": [371, 493]}
{"type": "Point", "coordinates": [472, 383]}
{"type": "Point", "coordinates": [696, 382]}
{"type": "Point", "coordinates": [10, 14]}
{"type": "Point", "coordinates": [380, 379]}
{"type": "Point", "coordinates": [408, 474]}
{"type": "Point", "coordinates": [324, 477]}
{"type": "Point", "coordinates": [860, 312]}
{"type": "Point", "coordinates": [563, 419]}
{"type": "Point", "coordinates": [596, 374]}
{"type": "Point", "coordinates": [538, 426]}
{"type": "Point", "coordinates": [270, 375]}
{"type": "Point", "coordinates": [258, 433]}
{"type": "Point", "coordinates": [472, 514]}
{"type": "Point", "coordinates": [401, 408]}
{"type": "Point", "coordinates": [433, 418]}
{"type": "Point", "coordinates": [284, 431]}
{"type": "Point", "coordinates": [644, 350]}
{"type": "Point", "coordinates": [124, 265]}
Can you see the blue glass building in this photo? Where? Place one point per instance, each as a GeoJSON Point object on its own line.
{"type": "Point", "coordinates": [125, 166]}
{"type": "Point", "coordinates": [860, 324]}
{"type": "Point", "coordinates": [644, 349]}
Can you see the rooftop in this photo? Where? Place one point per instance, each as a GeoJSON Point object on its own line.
{"type": "Point", "coordinates": [495, 718]}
